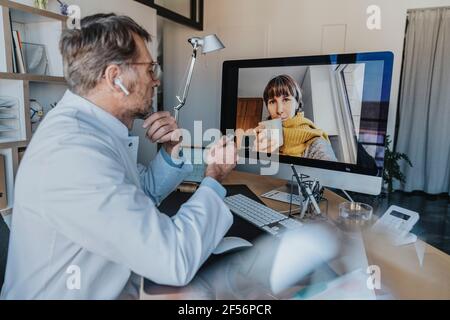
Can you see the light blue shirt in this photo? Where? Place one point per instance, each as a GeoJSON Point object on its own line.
{"type": "Point", "coordinates": [85, 223]}
{"type": "Point", "coordinates": [207, 182]}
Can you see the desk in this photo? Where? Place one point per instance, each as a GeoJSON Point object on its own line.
{"type": "Point", "coordinates": [400, 267]}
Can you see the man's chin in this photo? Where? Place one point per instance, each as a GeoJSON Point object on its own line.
{"type": "Point", "coordinates": [139, 116]}
{"type": "Point", "coordinates": [143, 115]}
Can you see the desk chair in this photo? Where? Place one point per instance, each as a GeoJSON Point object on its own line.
{"type": "Point", "coordinates": [4, 242]}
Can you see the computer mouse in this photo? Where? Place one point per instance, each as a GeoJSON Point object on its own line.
{"type": "Point", "coordinates": [229, 244]}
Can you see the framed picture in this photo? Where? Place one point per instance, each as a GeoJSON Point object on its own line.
{"type": "Point", "coordinates": [186, 12]}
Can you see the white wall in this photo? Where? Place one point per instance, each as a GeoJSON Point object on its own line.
{"type": "Point", "coordinates": [354, 80]}
{"type": "Point", "coordinates": [252, 82]}
{"type": "Point", "coordinates": [323, 101]}
{"type": "Point", "coordinates": [274, 28]}
{"type": "Point", "coordinates": [143, 15]}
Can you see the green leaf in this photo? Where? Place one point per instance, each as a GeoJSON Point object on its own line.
{"type": "Point", "coordinates": [392, 170]}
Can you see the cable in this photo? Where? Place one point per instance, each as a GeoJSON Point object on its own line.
{"type": "Point", "coordinates": [290, 212]}
{"type": "Point", "coordinates": [348, 196]}
{"type": "Point", "coordinates": [292, 195]}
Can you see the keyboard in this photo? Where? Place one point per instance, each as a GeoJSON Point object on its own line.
{"type": "Point", "coordinates": [260, 215]}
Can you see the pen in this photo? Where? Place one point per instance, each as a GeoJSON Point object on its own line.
{"type": "Point", "coordinates": [313, 200]}
{"type": "Point", "coordinates": [295, 173]}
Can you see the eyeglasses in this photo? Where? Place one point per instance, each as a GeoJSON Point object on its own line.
{"type": "Point", "coordinates": [154, 68]}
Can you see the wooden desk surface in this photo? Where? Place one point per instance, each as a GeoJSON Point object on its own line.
{"type": "Point", "coordinates": [402, 275]}
{"type": "Point", "coordinates": [401, 270]}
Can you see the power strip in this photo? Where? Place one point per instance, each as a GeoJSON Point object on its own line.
{"type": "Point", "coordinates": [283, 197]}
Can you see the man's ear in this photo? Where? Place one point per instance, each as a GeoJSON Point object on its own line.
{"type": "Point", "coordinates": [112, 73]}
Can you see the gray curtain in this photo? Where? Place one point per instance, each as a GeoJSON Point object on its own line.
{"type": "Point", "coordinates": [424, 132]}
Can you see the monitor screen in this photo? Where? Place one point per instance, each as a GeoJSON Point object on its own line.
{"type": "Point", "coordinates": [326, 111]}
{"type": "Point", "coordinates": [195, 155]}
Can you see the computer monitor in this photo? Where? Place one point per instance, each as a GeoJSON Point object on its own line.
{"type": "Point", "coordinates": [333, 111]}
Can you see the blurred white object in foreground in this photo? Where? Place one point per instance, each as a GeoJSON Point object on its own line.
{"type": "Point", "coordinates": [299, 253]}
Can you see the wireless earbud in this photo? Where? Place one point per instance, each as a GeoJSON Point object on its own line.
{"type": "Point", "coordinates": [119, 83]}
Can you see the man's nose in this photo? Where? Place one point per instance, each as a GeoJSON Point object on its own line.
{"type": "Point", "coordinates": [156, 83]}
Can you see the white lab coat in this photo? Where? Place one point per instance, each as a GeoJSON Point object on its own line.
{"type": "Point", "coordinates": [85, 222]}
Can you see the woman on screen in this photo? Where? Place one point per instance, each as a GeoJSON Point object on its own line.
{"type": "Point", "coordinates": [283, 99]}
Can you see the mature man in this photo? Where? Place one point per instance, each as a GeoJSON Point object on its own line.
{"type": "Point", "coordinates": [85, 222]}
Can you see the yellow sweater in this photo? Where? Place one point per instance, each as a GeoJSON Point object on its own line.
{"type": "Point", "coordinates": [299, 133]}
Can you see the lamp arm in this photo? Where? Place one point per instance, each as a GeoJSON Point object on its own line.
{"type": "Point", "coordinates": [189, 78]}
{"type": "Point", "coordinates": [177, 112]}
{"type": "Point", "coordinates": [182, 100]}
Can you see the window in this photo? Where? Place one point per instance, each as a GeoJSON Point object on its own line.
{"type": "Point", "coordinates": [187, 12]}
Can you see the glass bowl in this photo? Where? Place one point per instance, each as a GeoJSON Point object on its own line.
{"type": "Point", "coordinates": [354, 216]}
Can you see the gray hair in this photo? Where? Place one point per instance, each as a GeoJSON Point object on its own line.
{"type": "Point", "coordinates": [102, 40]}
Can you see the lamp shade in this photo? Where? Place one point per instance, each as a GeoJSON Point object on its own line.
{"type": "Point", "coordinates": [208, 44]}
{"type": "Point", "coordinates": [211, 43]}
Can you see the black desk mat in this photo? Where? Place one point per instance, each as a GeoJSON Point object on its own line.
{"type": "Point", "coordinates": [240, 228]}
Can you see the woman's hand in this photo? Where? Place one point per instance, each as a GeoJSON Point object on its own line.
{"type": "Point", "coordinates": [221, 159]}
{"type": "Point", "coordinates": [267, 140]}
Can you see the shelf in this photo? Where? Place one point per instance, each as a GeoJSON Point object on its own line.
{"type": "Point", "coordinates": [16, 144]}
{"type": "Point", "coordinates": [35, 26]}
{"type": "Point", "coordinates": [7, 116]}
{"type": "Point", "coordinates": [6, 128]}
{"type": "Point", "coordinates": [15, 129]}
{"type": "Point", "coordinates": [32, 77]}
{"type": "Point", "coordinates": [6, 212]}
{"type": "Point", "coordinates": [27, 14]}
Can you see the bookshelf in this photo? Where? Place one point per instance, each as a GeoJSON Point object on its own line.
{"type": "Point", "coordinates": [39, 29]}
{"type": "Point", "coordinates": [32, 78]}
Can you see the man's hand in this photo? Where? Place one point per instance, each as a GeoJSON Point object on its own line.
{"type": "Point", "coordinates": [222, 159]}
{"type": "Point", "coordinates": [162, 128]}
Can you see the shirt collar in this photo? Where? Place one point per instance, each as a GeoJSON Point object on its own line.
{"type": "Point", "coordinates": [104, 117]}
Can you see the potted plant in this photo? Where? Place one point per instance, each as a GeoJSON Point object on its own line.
{"type": "Point", "coordinates": [41, 4]}
{"type": "Point", "coordinates": [392, 170]}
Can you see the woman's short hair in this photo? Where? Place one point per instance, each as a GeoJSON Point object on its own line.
{"type": "Point", "coordinates": [102, 40]}
{"type": "Point", "coordinates": [283, 85]}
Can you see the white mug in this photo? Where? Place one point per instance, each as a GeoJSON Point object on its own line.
{"type": "Point", "coordinates": [276, 129]}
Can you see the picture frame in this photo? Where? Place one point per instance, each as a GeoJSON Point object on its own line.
{"type": "Point", "coordinates": [195, 19]}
